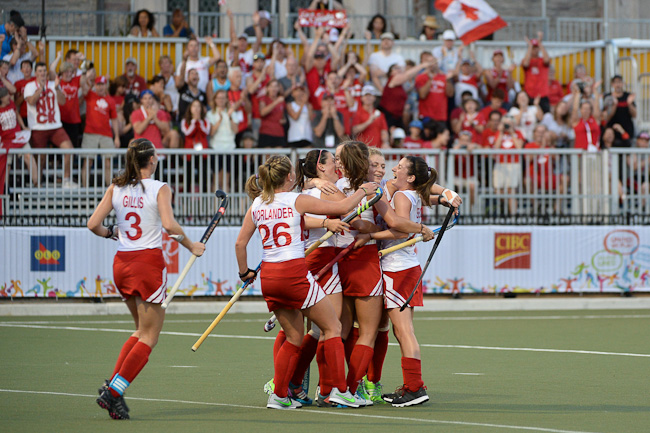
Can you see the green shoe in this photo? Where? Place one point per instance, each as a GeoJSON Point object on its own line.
{"type": "Point", "coordinates": [373, 390]}
{"type": "Point", "coordinates": [269, 387]}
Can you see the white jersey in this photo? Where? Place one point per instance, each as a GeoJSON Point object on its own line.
{"type": "Point", "coordinates": [346, 238]}
{"type": "Point", "coordinates": [280, 226]}
{"type": "Point", "coordinates": [405, 258]}
{"type": "Point", "coordinates": [137, 215]}
{"type": "Point", "coordinates": [313, 235]}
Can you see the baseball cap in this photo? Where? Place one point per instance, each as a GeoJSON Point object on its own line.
{"type": "Point", "coordinates": [131, 60]}
{"type": "Point", "coordinates": [243, 36]}
{"type": "Point", "coordinates": [334, 34]}
{"type": "Point", "coordinates": [415, 124]}
{"type": "Point", "coordinates": [265, 14]}
{"type": "Point", "coordinates": [534, 42]}
{"type": "Point", "coordinates": [398, 133]}
{"type": "Point", "coordinates": [448, 35]}
{"type": "Point", "coordinates": [466, 62]}
{"type": "Point", "coordinates": [465, 132]}
{"type": "Point", "coordinates": [259, 56]}
{"type": "Point", "coordinates": [387, 35]}
{"type": "Point", "coordinates": [643, 135]}
{"type": "Point", "coordinates": [146, 92]}
{"type": "Point", "coordinates": [368, 90]}
{"type": "Point", "coordinates": [497, 52]}
{"type": "Point", "coordinates": [101, 80]}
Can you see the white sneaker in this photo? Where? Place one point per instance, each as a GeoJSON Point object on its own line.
{"type": "Point", "coordinates": [344, 398]}
{"type": "Point", "coordinates": [276, 402]}
{"type": "Point", "coordinates": [361, 400]}
{"type": "Point", "coordinates": [68, 184]}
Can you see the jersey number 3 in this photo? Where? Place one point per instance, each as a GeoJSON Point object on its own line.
{"type": "Point", "coordinates": [134, 225]}
{"type": "Point", "coordinates": [266, 233]}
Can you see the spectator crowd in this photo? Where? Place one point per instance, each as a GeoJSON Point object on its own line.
{"type": "Point", "coordinates": [247, 98]}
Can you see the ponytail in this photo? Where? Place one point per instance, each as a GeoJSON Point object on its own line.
{"type": "Point", "coordinates": [354, 158]}
{"type": "Point", "coordinates": [270, 176]}
{"type": "Point", "coordinates": [425, 177]}
{"type": "Point", "coordinates": [307, 167]}
{"type": "Point", "coordinates": [138, 155]}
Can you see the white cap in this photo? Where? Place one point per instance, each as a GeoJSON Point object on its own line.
{"type": "Point", "coordinates": [398, 133]}
{"type": "Point", "coordinates": [369, 90]}
{"type": "Point", "coordinates": [265, 14]}
{"type": "Point", "coordinates": [334, 34]}
{"type": "Point", "coordinates": [448, 35]}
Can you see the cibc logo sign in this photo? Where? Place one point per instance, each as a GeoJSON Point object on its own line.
{"type": "Point", "coordinates": [47, 253]}
{"type": "Point", "coordinates": [512, 250]}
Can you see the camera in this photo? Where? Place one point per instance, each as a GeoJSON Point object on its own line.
{"type": "Point", "coordinates": [506, 126]}
{"type": "Point", "coordinates": [581, 85]}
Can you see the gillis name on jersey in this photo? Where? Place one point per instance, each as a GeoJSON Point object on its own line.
{"type": "Point", "coordinates": [135, 202]}
{"type": "Point", "coordinates": [272, 214]}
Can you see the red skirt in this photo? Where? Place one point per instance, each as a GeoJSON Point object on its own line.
{"type": "Point", "coordinates": [399, 285]}
{"type": "Point", "coordinates": [330, 281]}
{"type": "Point", "coordinates": [360, 272]}
{"type": "Point", "coordinates": [141, 273]}
{"type": "Point", "coordinates": [289, 285]}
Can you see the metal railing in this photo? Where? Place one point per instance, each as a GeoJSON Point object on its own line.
{"type": "Point", "coordinates": [537, 186]}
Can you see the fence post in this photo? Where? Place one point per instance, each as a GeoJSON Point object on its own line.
{"type": "Point", "coordinates": [614, 176]}
{"type": "Point", "coordinates": [574, 169]}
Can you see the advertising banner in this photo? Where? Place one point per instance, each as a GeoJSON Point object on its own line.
{"type": "Point", "coordinates": [72, 262]}
{"type": "Point", "coordinates": [322, 18]}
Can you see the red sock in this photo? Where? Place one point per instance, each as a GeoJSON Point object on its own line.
{"type": "Point", "coordinates": [133, 363]}
{"type": "Point", "coordinates": [350, 342]}
{"type": "Point", "coordinates": [285, 364]}
{"type": "Point", "coordinates": [412, 372]}
{"type": "Point", "coordinates": [307, 352]}
{"type": "Point", "coordinates": [361, 356]}
{"type": "Point", "coordinates": [335, 358]}
{"type": "Point", "coordinates": [377, 363]}
{"type": "Point", "coordinates": [279, 341]}
{"type": "Point", "coordinates": [126, 348]}
{"type": "Point", "coordinates": [323, 372]}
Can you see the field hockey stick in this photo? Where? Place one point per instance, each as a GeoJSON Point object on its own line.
{"type": "Point", "coordinates": [415, 240]}
{"type": "Point", "coordinates": [347, 219]}
{"type": "Point", "coordinates": [270, 324]}
{"type": "Point", "coordinates": [229, 305]}
{"type": "Point", "coordinates": [443, 229]}
{"type": "Point", "coordinates": [208, 232]}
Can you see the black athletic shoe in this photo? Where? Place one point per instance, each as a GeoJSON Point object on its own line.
{"type": "Point", "coordinates": [114, 405]}
{"type": "Point", "coordinates": [393, 395]}
{"type": "Point", "coordinates": [411, 398]}
{"type": "Point", "coordinates": [107, 382]}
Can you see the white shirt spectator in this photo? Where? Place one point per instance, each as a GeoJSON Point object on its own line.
{"type": "Point", "coordinates": [384, 62]}
{"type": "Point", "coordinates": [224, 138]}
{"type": "Point", "coordinates": [528, 121]}
{"type": "Point", "coordinates": [300, 129]}
{"type": "Point", "coordinates": [15, 73]}
{"type": "Point", "coordinates": [447, 59]}
{"type": "Point", "coordinates": [202, 67]}
{"type": "Point", "coordinates": [45, 115]}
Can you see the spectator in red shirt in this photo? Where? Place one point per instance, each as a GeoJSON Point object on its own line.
{"type": "Point", "coordinates": [26, 69]}
{"type": "Point", "coordinates": [394, 96]}
{"type": "Point", "coordinates": [102, 130]}
{"type": "Point", "coordinates": [536, 71]}
{"type": "Point", "coordinates": [433, 88]}
{"type": "Point", "coordinates": [414, 139]}
{"type": "Point", "coordinates": [555, 88]}
{"type": "Point", "coordinates": [152, 123]}
{"type": "Point", "coordinates": [369, 124]}
{"type": "Point", "coordinates": [467, 74]}
{"type": "Point", "coordinates": [136, 84]}
{"type": "Point", "coordinates": [498, 77]}
{"type": "Point", "coordinates": [469, 120]}
{"type": "Point", "coordinates": [317, 65]}
{"type": "Point", "coordinates": [239, 102]}
{"type": "Point", "coordinates": [491, 130]}
{"type": "Point", "coordinates": [496, 103]}
{"type": "Point", "coordinates": [256, 85]}
{"type": "Point", "coordinates": [464, 164]}
{"type": "Point", "coordinates": [272, 117]}
{"type": "Point", "coordinates": [70, 84]}
{"type": "Point", "coordinates": [507, 170]}
{"type": "Point", "coordinates": [583, 120]}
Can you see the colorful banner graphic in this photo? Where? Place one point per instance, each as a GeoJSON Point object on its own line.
{"type": "Point", "coordinates": [72, 262]}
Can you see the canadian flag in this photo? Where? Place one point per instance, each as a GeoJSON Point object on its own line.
{"type": "Point", "coordinates": [471, 19]}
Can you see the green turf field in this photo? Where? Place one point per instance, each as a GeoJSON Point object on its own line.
{"type": "Point", "coordinates": [580, 371]}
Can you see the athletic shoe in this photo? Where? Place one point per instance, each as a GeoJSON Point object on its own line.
{"type": "Point", "coordinates": [360, 399]}
{"type": "Point", "coordinates": [373, 390]}
{"type": "Point", "coordinates": [344, 398]}
{"type": "Point", "coordinates": [411, 398]}
{"type": "Point", "coordinates": [276, 402]}
{"type": "Point", "coordinates": [114, 405]}
{"type": "Point", "coordinates": [299, 394]}
{"type": "Point", "coordinates": [104, 386]}
{"type": "Point", "coordinates": [393, 395]}
{"type": "Point", "coordinates": [269, 387]}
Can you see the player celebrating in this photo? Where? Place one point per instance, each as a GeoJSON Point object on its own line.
{"type": "Point", "coordinates": [287, 285]}
{"type": "Point", "coordinates": [143, 207]}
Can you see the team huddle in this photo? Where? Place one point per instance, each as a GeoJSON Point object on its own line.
{"type": "Point", "coordinates": [348, 304]}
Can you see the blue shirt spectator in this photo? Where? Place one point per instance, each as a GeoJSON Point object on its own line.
{"type": "Point", "coordinates": [178, 28]}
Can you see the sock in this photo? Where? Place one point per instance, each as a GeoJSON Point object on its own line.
{"type": "Point", "coordinates": [132, 365]}
{"type": "Point", "coordinates": [279, 341]}
{"type": "Point", "coordinates": [350, 342]}
{"type": "Point", "coordinates": [285, 364]}
{"type": "Point", "coordinates": [377, 363]}
{"type": "Point", "coordinates": [126, 348]}
{"type": "Point", "coordinates": [361, 356]}
{"type": "Point", "coordinates": [412, 372]}
{"type": "Point", "coordinates": [323, 372]}
{"type": "Point", "coordinates": [307, 351]}
{"type": "Point", "coordinates": [335, 358]}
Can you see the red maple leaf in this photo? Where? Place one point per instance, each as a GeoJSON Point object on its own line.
{"type": "Point", "coordinates": [470, 12]}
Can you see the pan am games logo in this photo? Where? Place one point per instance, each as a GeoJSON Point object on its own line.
{"type": "Point", "coordinates": [512, 251]}
{"type": "Point", "coordinates": [47, 253]}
